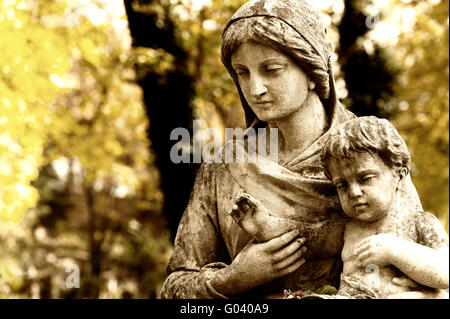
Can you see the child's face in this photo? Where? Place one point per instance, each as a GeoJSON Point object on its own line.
{"type": "Point", "coordinates": [366, 186]}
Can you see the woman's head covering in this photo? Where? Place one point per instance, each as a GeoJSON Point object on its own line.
{"type": "Point", "coordinates": [291, 26]}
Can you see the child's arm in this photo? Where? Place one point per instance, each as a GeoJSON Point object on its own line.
{"type": "Point", "coordinates": [427, 266]}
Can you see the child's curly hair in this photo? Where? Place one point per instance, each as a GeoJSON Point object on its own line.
{"type": "Point", "coordinates": [366, 134]}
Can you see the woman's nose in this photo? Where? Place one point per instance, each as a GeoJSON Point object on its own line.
{"type": "Point", "coordinates": [257, 86]}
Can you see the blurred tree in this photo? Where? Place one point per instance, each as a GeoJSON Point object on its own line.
{"type": "Point", "coordinates": [167, 94]}
{"type": "Point", "coordinates": [27, 86]}
{"type": "Point", "coordinates": [368, 75]}
{"type": "Point", "coordinates": [103, 211]}
{"type": "Point", "coordinates": [194, 85]}
{"type": "Point", "coordinates": [423, 92]}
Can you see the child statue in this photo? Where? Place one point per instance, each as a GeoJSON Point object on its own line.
{"type": "Point", "coordinates": [390, 250]}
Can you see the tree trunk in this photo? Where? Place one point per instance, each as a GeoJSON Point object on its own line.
{"type": "Point", "coordinates": [167, 99]}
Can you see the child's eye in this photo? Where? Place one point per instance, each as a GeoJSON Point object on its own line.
{"type": "Point", "coordinates": [340, 185]}
{"type": "Point", "coordinates": [367, 178]}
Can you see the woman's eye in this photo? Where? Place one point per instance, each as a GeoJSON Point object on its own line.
{"type": "Point", "coordinates": [274, 68]}
{"type": "Point", "coordinates": [241, 72]}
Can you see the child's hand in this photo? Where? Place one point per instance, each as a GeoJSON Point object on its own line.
{"type": "Point", "coordinates": [405, 282]}
{"type": "Point", "coordinates": [376, 249]}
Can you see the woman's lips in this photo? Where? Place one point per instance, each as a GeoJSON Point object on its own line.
{"type": "Point", "coordinates": [263, 105]}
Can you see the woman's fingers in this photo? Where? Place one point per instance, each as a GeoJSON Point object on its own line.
{"type": "Point", "coordinates": [279, 242]}
{"type": "Point", "coordinates": [289, 260]}
{"type": "Point", "coordinates": [293, 267]}
{"type": "Point", "coordinates": [245, 206]}
{"type": "Point", "coordinates": [241, 207]}
{"type": "Point", "coordinates": [247, 201]}
{"type": "Point", "coordinates": [236, 212]}
{"type": "Point", "coordinates": [289, 250]}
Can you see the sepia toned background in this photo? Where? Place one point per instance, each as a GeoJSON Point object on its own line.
{"type": "Point", "coordinates": [91, 89]}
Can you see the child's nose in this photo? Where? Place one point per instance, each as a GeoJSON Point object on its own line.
{"type": "Point", "coordinates": [355, 190]}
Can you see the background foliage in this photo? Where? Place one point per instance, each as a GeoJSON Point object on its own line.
{"type": "Point", "coordinates": [90, 90]}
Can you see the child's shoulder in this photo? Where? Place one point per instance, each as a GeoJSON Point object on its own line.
{"type": "Point", "coordinates": [425, 219]}
{"type": "Point", "coordinates": [430, 231]}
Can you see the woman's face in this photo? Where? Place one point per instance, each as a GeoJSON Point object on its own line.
{"type": "Point", "coordinates": [272, 83]}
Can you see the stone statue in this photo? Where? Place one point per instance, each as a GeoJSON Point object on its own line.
{"type": "Point", "coordinates": [390, 250]}
{"type": "Point", "coordinates": [278, 54]}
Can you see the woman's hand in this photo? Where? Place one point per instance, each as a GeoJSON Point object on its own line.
{"type": "Point", "coordinates": [259, 263]}
{"type": "Point", "coordinates": [376, 249]}
{"type": "Point", "coordinates": [252, 216]}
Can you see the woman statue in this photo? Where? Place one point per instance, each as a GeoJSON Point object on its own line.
{"type": "Point", "coordinates": [278, 55]}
